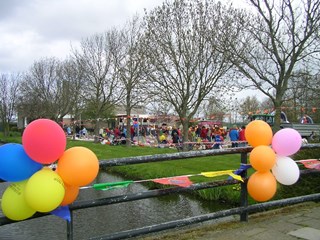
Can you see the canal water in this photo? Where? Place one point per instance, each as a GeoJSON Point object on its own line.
{"type": "Point", "coordinates": [97, 221]}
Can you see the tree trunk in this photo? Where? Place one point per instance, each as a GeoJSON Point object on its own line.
{"type": "Point", "coordinates": [277, 116]}
{"type": "Point", "coordinates": [128, 126]}
{"type": "Point", "coordinates": [6, 128]}
{"type": "Point", "coordinates": [185, 131]}
{"type": "Point", "coordinates": [96, 127]}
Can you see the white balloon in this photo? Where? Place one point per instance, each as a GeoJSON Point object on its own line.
{"type": "Point", "coordinates": [286, 171]}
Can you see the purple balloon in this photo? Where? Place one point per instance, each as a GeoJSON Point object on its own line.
{"type": "Point", "coordinates": [286, 142]}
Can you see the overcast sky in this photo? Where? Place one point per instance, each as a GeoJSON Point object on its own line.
{"type": "Point", "coordinates": [34, 29]}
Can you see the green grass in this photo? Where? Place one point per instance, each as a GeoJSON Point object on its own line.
{"type": "Point", "coordinates": [14, 137]}
{"type": "Point", "coordinates": [106, 152]}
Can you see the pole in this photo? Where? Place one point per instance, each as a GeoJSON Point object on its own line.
{"type": "Point", "coordinates": [138, 127]}
{"type": "Point", "coordinates": [244, 191]}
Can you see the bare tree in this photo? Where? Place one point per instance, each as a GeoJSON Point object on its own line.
{"type": "Point", "coordinates": [9, 94]}
{"type": "Point", "coordinates": [214, 109]}
{"type": "Point", "coordinates": [100, 86]}
{"type": "Point", "coordinates": [73, 93]}
{"type": "Point", "coordinates": [269, 46]}
{"type": "Point", "coordinates": [44, 92]}
{"type": "Point", "coordinates": [129, 67]}
{"type": "Point", "coordinates": [303, 95]}
{"type": "Point", "coordinates": [248, 106]}
{"type": "Point", "coordinates": [183, 64]}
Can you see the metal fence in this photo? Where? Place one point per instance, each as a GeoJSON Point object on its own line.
{"type": "Point", "coordinates": [243, 210]}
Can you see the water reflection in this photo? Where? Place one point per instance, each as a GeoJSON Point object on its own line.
{"type": "Point", "coordinates": [107, 219]}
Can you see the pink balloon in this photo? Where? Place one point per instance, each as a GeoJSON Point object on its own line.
{"type": "Point", "coordinates": [44, 141]}
{"type": "Point", "coordinates": [286, 142]}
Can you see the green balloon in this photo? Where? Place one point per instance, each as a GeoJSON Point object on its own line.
{"type": "Point", "coordinates": [13, 203]}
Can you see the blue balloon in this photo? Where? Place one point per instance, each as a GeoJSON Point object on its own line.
{"type": "Point", "coordinates": [15, 164]}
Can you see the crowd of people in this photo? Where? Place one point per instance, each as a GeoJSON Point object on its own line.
{"type": "Point", "coordinates": [219, 136]}
{"type": "Point", "coordinates": [208, 136]}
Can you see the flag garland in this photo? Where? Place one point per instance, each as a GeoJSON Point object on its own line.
{"type": "Point", "coordinates": [310, 163]}
{"type": "Point", "coordinates": [182, 181]}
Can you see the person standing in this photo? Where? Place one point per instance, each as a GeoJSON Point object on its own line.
{"type": "Point", "coordinates": [203, 133]}
{"type": "Point", "coordinates": [175, 135]}
{"type": "Point", "coordinates": [234, 136]}
{"type": "Point", "coordinates": [242, 136]}
{"type": "Point", "coordinates": [132, 133]}
{"type": "Point", "coordinates": [218, 139]}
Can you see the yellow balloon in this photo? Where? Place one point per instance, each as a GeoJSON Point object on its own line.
{"type": "Point", "coordinates": [258, 133]}
{"type": "Point", "coordinates": [44, 190]}
{"type": "Point", "coordinates": [13, 203]}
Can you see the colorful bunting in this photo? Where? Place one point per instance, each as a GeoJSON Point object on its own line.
{"type": "Point", "coordinates": [221, 173]}
{"type": "Point", "coordinates": [181, 181]}
{"type": "Point", "coordinates": [216, 173]}
{"type": "Point", "coordinates": [112, 185]}
{"type": "Point", "coordinates": [237, 177]}
{"type": "Point", "coordinates": [311, 163]}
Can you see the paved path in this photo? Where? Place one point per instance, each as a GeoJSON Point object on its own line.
{"type": "Point", "coordinates": [300, 221]}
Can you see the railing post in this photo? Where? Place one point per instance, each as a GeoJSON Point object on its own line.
{"type": "Point", "coordinates": [70, 227]}
{"type": "Point", "coordinates": [244, 192]}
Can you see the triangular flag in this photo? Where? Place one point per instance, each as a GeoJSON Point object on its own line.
{"type": "Point", "coordinates": [237, 177]}
{"type": "Point", "coordinates": [112, 185]}
{"type": "Point", "coordinates": [216, 173]}
{"type": "Point", "coordinates": [311, 163]}
{"type": "Point", "coordinates": [62, 212]}
{"type": "Point", "coordinates": [182, 181]}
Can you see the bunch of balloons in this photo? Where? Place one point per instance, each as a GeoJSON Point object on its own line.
{"type": "Point", "coordinates": [270, 158]}
{"type": "Point", "coordinates": [35, 186]}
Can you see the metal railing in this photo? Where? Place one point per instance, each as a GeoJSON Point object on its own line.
{"type": "Point", "coordinates": [243, 210]}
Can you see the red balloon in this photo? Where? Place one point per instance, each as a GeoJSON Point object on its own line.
{"type": "Point", "coordinates": [44, 141]}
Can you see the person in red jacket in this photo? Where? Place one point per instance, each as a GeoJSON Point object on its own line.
{"type": "Point", "coordinates": [242, 136]}
{"type": "Point", "coordinates": [132, 133]}
{"type": "Point", "coordinates": [203, 133]}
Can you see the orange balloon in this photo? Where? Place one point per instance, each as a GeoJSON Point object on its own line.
{"type": "Point", "coordinates": [258, 133]}
{"type": "Point", "coordinates": [262, 186]}
{"type": "Point", "coordinates": [71, 194]}
{"type": "Point", "coordinates": [78, 166]}
{"type": "Point", "coordinates": [262, 158]}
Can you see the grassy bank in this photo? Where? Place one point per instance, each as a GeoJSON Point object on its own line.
{"type": "Point", "coordinates": [170, 168]}
{"type": "Point", "coordinates": [307, 184]}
